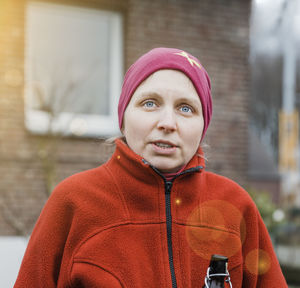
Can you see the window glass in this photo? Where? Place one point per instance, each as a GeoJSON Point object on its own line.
{"type": "Point", "coordinates": [73, 68]}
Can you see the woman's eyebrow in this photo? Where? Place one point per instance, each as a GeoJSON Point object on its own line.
{"type": "Point", "coordinates": [147, 94]}
{"type": "Point", "coordinates": [188, 101]}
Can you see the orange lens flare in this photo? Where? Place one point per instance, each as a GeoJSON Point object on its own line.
{"type": "Point", "coordinates": [258, 262]}
{"type": "Point", "coordinates": [211, 229]}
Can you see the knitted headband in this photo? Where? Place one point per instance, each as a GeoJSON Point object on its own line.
{"type": "Point", "coordinates": [167, 58]}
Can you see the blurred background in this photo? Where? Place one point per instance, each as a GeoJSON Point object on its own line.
{"type": "Point", "coordinates": [61, 70]}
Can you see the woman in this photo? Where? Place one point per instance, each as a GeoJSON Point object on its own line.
{"type": "Point", "coordinates": [152, 216]}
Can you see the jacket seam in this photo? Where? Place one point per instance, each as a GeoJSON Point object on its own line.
{"type": "Point", "coordinates": [113, 226]}
{"type": "Point", "coordinates": [235, 266]}
{"type": "Point", "coordinates": [105, 228]}
{"type": "Point", "coordinates": [127, 214]}
{"type": "Point", "coordinates": [209, 227]}
{"type": "Point", "coordinates": [65, 195]}
{"type": "Point", "coordinates": [88, 262]}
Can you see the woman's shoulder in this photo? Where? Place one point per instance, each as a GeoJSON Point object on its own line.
{"type": "Point", "coordinates": [228, 188]}
{"type": "Point", "coordinates": [86, 193]}
{"type": "Point", "coordinates": [221, 180]}
{"type": "Point", "coordinates": [82, 182]}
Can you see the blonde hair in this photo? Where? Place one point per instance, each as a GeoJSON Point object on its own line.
{"type": "Point", "coordinates": [111, 140]}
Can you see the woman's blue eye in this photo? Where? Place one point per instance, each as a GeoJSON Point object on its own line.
{"type": "Point", "coordinates": [186, 109]}
{"type": "Point", "coordinates": [149, 104]}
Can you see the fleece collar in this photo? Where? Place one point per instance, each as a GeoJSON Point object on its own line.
{"type": "Point", "coordinates": [143, 188]}
{"type": "Point", "coordinates": [134, 163]}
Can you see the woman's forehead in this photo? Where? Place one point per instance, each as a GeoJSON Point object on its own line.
{"type": "Point", "coordinates": [166, 74]}
{"type": "Point", "coordinates": [167, 79]}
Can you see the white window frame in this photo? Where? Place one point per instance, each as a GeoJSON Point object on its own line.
{"type": "Point", "coordinates": [75, 124]}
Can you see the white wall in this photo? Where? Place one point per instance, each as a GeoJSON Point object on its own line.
{"type": "Point", "coordinates": [11, 253]}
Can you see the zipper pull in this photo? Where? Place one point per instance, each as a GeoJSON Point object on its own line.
{"type": "Point", "coordinates": [168, 187]}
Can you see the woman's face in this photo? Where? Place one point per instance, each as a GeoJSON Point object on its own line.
{"type": "Point", "coordinates": [163, 121]}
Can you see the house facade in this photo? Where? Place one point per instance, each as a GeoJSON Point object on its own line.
{"type": "Point", "coordinates": [61, 70]}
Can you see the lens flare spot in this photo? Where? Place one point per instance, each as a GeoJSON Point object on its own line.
{"type": "Point", "coordinates": [215, 227]}
{"type": "Point", "coordinates": [178, 201]}
{"type": "Point", "coordinates": [258, 262]}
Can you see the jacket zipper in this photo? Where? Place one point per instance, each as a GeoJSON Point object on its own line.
{"type": "Point", "coordinates": [168, 187]}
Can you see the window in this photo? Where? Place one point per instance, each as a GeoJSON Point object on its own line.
{"type": "Point", "coordinates": [73, 70]}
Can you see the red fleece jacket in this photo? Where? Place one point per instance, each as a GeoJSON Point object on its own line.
{"type": "Point", "coordinates": [115, 226]}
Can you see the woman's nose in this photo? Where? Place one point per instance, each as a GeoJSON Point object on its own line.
{"type": "Point", "coordinates": [167, 120]}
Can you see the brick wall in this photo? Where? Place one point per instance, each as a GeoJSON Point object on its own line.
{"type": "Point", "coordinates": [217, 33]}
{"type": "Point", "coordinates": [213, 30]}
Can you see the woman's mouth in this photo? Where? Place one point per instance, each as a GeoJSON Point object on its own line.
{"type": "Point", "coordinates": [164, 147]}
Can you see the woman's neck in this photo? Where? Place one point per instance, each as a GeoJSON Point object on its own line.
{"type": "Point", "coordinates": [170, 175]}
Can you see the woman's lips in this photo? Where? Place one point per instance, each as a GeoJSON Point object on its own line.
{"type": "Point", "coordinates": [164, 147]}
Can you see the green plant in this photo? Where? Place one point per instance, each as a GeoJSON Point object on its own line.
{"type": "Point", "coordinates": [265, 206]}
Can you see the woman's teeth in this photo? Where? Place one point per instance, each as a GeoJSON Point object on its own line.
{"type": "Point", "coordinates": [163, 145]}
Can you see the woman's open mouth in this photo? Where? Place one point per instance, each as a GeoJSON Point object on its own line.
{"type": "Point", "coordinates": [164, 147]}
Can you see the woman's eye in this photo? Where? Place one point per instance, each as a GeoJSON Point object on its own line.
{"type": "Point", "coordinates": [149, 104]}
{"type": "Point", "coordinates": [186, 109]}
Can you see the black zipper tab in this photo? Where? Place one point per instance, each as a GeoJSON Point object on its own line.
{"type": "Point", "coordinates": [168, 187]}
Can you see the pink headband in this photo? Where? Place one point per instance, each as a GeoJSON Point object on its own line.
{"type": "Point", "coordinates": [167, 58]}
